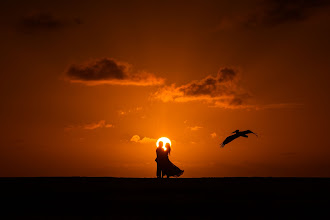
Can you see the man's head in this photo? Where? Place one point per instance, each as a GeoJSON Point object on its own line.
{"type": "Point", "coordinates": [160, 144]}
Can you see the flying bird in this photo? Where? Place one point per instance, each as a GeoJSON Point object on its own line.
{"type": "Point", "coordinates": [236, 135]}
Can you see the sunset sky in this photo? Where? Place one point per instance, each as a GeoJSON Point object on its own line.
{"type": "Point", "coordinates": [87, 87]}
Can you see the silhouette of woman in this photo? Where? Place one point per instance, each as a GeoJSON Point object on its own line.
{"type": "Point", "coordinates": [168, 168]}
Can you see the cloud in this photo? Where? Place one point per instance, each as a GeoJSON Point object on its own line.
{"type": "Point", "coordinates": [270, 13]}
{"type": "Point", "coordinates": [220, 91]}
{"type": "Point", "coordinates": [282, 11]}
{"type": "Point", "coordinates": [195, 128]}
{"type": "Point", "coordinates": [222, 88]}
{"type": "Point", "coordinates": [110, 71]}
{"type": "Point", "coordinates": [129, 111]}
{"type": "Point", "coordinates": [277, 106]}
{"type": "Point", "coordinates": [35, 21]}
{"type": "Point", "coordinates": [100, 124]}
{"type": "Point", "coordinates": [90, 126]}
{"type": "Point", "coordinates": [257, 107]}
{"type": "Point", "coordinates": [137, 139]}
{"type": "Point", "coordinates": [213, 135]}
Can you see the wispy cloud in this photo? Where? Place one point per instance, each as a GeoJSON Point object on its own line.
{"type": "Point", "coordinates": [220, 89]}
{"type": "Point", "coordinates": [256, 106]}
{"type": "Point", "coordinates": [278, 106]}
{"type": "Point", "coordinates": [110, 71]}
{"type": "Point", "coordinates": [100, 124]}
{"type": "Point", "coordinates": [213, 135]}
{"type": "Point", "coordinates": [132, 110]}
{"type": "Point", "coordinates": [195, 128]}
{"type": "Point", "coordinates": [90, 126]}
{"type": "Point", "coordinates": [137, 139]}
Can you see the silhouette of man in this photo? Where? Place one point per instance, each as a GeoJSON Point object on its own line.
{"type": "Point", "coordinates": [160, 157]}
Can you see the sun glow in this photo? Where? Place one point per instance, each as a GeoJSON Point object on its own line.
{"type": "Point", "coordinates": [165, 140]}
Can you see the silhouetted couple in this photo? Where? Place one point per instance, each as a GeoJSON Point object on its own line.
{"type": "Point", "coordinates": [164, 165]}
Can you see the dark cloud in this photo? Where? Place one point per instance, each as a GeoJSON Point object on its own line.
{"type": "Point", "coordinates": [221, 89]}
{"type": "Point", "coordinates": [40, 20]}
{"type": "Point", "coordinates": [103, 69]}
{"type": "Point", "coordinates": [282, 11]}
{"type": "Point", "coordinates": [227, 74]}
{"type": "Point", "coordinates": [270, 13]}
{"type": "Point", "coordinates": [212, 85]}
{"type": "Point", "coordinates": [110, 71]}
{"type": "Point", "coordinates": [45, 21]}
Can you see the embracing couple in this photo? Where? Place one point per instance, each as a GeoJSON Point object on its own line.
{"type": "Point", "coordinates": [164, 165]}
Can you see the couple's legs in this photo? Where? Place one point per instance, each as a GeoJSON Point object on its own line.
{"type": "Point", "coordinates": [159, 172]}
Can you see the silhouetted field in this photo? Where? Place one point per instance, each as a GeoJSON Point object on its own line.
{"type": "Point", "coordinates": [199, 197]}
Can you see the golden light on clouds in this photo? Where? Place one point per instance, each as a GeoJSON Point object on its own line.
{"type": "Point", "coordinates": [110, 71]}
{"type": "Point", "coordinates": [137, 139]}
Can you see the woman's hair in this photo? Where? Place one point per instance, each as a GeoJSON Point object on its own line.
{"type": "Point", "coordinates": [168, 146]}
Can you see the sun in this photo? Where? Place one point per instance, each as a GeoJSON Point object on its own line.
{"type": "Point", "coordinates": [165, 140]}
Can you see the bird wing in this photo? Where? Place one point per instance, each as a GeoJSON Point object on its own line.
{"type": "Point", "coordinates": [229, 139]}
{"type": "Point", "coordinates": [249, 132]}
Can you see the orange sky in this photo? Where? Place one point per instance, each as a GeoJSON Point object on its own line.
{"type": "Point", "coordinates": [79, 80]}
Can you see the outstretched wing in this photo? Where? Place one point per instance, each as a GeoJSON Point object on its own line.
{"type": "Point", "coordinates": [249, 132]}
{"type": "Point", "coordinates": [229, 139]}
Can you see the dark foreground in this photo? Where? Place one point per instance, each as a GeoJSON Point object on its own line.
{"type": "Point", "coordinates": [200, 197]}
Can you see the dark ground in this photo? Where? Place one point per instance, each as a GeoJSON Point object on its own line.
{"type": "Point", "coordinates": [200, 197]}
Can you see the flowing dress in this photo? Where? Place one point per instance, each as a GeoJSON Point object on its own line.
{"type": "Point", "coordinates": [168, 168]}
